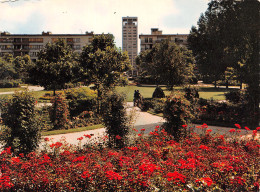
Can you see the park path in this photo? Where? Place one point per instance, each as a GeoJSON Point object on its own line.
{"type": "Point", "coordinates": [142, 120]}
{"type": "Point", "coordinates": [30, 88]}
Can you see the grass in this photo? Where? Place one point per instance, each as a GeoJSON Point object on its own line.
{"type": "Point", "coordinates": [147, 92]}
{"type": "Point", "coordinates": [65, 131]}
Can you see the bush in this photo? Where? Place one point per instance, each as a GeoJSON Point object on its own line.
{"type": "Point", "coordinates": [236, 96]}
{"type": "Point", "coordinates": [158, 105]}
{"type": "Point", "coordinates": [22, 133]}
{"type": "Point", "coordinates": [115, 119]}
{"type": "Point", "coordinates": [191, 94]}
{"type": "Point", "coordinates": [81, 99]}
{"type": "Point", "coordinates": [59, 112]}
{"type": "Point", "coordinates": [9, 83]}
{"type": "Point", "coordinates": [154, 163]}
{"type": "Point", "coordinates": [177, 112]}
{"type": "Point", "coordinates": [222, 114]}
{"type": "Point", "coordinates": [147, 104]}
{"type": "Point", "coordinates": [158, 93]}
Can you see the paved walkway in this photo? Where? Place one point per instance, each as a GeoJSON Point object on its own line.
{"type": "Point", "coordinates": [143, 120]}
{"type": "Point", "coordinates": [30, 88]}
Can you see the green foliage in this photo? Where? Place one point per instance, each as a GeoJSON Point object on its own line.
{"type": "Point", "coordinates": [81, 99]}
{"type": "Point", "coordinates": [103, 64]}
{"type": "Point", "coordinates": [56, 65]}
{"type": "Point", "coordinates": [115, 119]}
{"type": "Point", "coordinates": [177, 112]}
{"type": "Point", "coordinates": [9, 83]}
{"type": "Point", "coordinates": [23, 127]}
{"type": "Point", "coordinates": [158, 93]}
{"type": "Point", "coordinates": [22, 64]}
{"type": "Point", "coordinates": [59, 112]}
{"type": "Point", "coordinates": [191, 93]}
{"type": "Point", "coordinates": [158, 104]}
{"type": "Point", "coordinates": [228, 36]}
{"type": "Point", "coordinates": [167, 63]}
{"type": "Point", "coordinates": [7, 69]}
{"type": "Point", "coordinates": [236, 96]}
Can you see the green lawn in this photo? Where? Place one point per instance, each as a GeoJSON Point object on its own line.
{"type": "Point", "coordinates": [147, 92]}
{"type": "Point", "coordinates": [56, 132]}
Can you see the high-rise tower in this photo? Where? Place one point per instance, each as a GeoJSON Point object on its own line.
{"type": "Point", "coordinates": [129, 40]}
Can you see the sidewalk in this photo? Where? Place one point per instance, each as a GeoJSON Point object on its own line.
{"type": "Point", "coordinates": [30, 88]}
{"type": "Point", "coordinates": [143, 120]}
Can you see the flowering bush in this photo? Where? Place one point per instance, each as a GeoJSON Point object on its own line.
{"type": "Point", "coordinates": [59, 112]}
{"type": "Point", "coordinates": [22, 125]}
{"type": "Point", "coordinates": [154, 163]}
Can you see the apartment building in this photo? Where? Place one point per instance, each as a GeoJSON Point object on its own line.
{"type": "Point", "coordinates": [129, 39]}
{"type": "Point", "coordinates": [31, 44]}
{"type": "Point", "coordinates": [156, 36]}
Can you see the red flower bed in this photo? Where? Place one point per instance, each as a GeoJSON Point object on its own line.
{"type": "Point", "coordinates": [155, 163]}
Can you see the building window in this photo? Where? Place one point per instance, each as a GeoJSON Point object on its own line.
{"type": "Point", "coordinates": [76, 47]}
{"type": "Point", "coordinates": [36, 40]}
{"type": "Point", "coordinates": [6, 40]}
{"type": "Point", "coordinates": [69, 40]}
{"type": "Point", "coordinates": [76, 40]}
{"type": "Point", "coordinates": [146, 40]}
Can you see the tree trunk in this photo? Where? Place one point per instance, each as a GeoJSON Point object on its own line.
{"type": "Point", "coordinates": [226, 84]}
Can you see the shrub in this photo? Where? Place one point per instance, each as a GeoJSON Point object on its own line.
{"type": "Point", "coordinates": [158, 93]}
{"type": "Point", "coordinates": [236, 96]}
{"type": "Point", "coordinates": [158, 105]}
{"type": "Point", "coordinates": [9, 83]}
{"type": "Point", "coordinates": [147, 104]}
{"type": "Point", "coordinates": [154, 163]}
{"type": "Point", "coordinates": [177, 112]}
{"type": "Point", "coordinates": [115, 119]}
{"type": "Point", "coordinates": [222, 114]}
{"type": "Point", "coordinates": [191, 94]}
{"type": "Point", "coordinates": [22, 133]}
{"type": "Point", "coordinates": [59, 112]}
{"type": "Point", "coordinates": [81, 99]}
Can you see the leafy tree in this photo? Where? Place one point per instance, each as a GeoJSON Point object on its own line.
{"type": "Point", "coordinates": [21, 65]}
{"type": "Point", "coordinates": [23, 126]}
{"type": "Point", "coordinates": [103, 64]}
{"type": "Point", "coordinates": [7, 70]}
{"type": "Point", "coordinates": [229, 75]}
{"type": "Point", "coordinates": [167, 63]}
{"type": "Point", "coordinates": [229, 30]}
{"type": "Point", "coordinates": [56, 65]}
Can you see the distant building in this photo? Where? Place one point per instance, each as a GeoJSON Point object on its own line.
{"type": "Point", "coordinates": [31, 44]}
{"type": "Point", "coordinates": [129, 39]}
{"type": "Point", "coordinates": [156, 36]}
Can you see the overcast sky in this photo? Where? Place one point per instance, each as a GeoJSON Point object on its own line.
{"type": "Point", "coordinates": [100, 16]}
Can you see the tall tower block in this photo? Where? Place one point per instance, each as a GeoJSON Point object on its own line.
{"type": "Point", "coordinates": [129, 40]}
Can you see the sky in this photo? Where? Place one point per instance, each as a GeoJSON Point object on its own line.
{"type": "Point", "coordinates": [99, 16]}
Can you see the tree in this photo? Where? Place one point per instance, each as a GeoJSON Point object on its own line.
{"type": "Point", "coordinates": [167, 63]}
{"type": "Point", "coordinates": [235, 24]}
{"type": "Point", "coordinates": [23, 127]}
{"type": "Point", "coordinates": [21, 64]}
{"type": "Point", "coordinates": [7, 69]}
{"type": "Point", "coordinates": [103, 64]}
{"type": "Point", "coordinates": [56, 65]}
